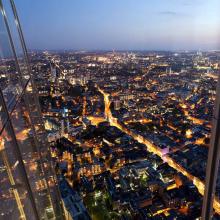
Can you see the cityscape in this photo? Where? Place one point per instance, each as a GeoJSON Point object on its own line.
{"type": "Point", "coordinates": [129, 131]}
{"type": "Point", "coordinates": [105, 118]}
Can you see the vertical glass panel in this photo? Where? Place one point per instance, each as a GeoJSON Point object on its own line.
{"type": "Point", "coordinates": [31, 100]}
{"type": "Point", "coordinates": [10, 81]}
{"type": "Point", "coordinates": [3, 117]}
{"type": "Point", "coordinates": [27, 125]}
{"type": "Point", "coordinates": [215, 144]}
{"type": "Point", "coordinates": [31, 156]}
{"type": "Point", "coordinates": [16, 40]}
{"type": "Point", "coordinates": [217, 195]}
{"type": "Point", "coordinates": [15, 203]}
{"type": "Point", "coordinates": [134, 142]}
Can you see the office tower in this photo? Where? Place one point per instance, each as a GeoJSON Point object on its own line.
{"type": "Point", "coordinates": [28, 187]}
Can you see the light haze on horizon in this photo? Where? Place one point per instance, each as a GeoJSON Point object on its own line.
{"type": "Point", "coordinates": [120, 24]}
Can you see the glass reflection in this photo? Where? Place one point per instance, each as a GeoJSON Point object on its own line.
{"type": "Point", "coordinates": [15, 202]}
{"type": "Point", "coordinates": [10, 79]}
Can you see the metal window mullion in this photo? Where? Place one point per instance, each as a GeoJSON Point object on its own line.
{"type": "Point", "coordinates": [213, 161]}
{"type": "Point", "coordinates": [9, 119]}
{"type": "Point", "coordinates": [33, 85]}
{"type": "Point", "coordinates": [11, 43]}
{"type": "Point", "coordinates": [45, 173]}
{"type": "Point", "coordinates": [24, 85]}
{"type": "Point", "coordinates": [41, 159]}
{"type": "Point", "coordinates": [37, 144]}
{"type": "Point", "coordinates": [12, 110]}
{"type": "Point", "coordinates": [26, 99]}
{"type": "Point", "coordinates": [26, 60]}
{"type": "Point", "coordinates": [18, 154]}
{"type": "Point", "coordinates": [24, 48]}
{"type": "Point", "coordinates": [21, 37]}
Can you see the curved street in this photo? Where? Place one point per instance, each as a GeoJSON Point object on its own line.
{"type": "Point", "coordinates": [154, 149]}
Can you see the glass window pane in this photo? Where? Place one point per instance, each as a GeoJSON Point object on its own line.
{"type": "Point", "coordinates": [10, 81]}
{"type": "Point", "coordinates": [15, 203]}
{"type": "Point", "coordinates": [32, 101]}
{"type": "Point", "coordinates": [31, 156]}
{"type": "Point", "coordinates": [133, 127]}
{"type": "Point", "coordinates": [16, 41]}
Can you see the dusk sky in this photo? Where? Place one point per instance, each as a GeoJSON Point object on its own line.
{"type": "Point", "coordinates": [121, 24]}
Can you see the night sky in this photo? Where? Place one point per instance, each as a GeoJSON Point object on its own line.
{"type": "Point", "coordinates": [121, 24]}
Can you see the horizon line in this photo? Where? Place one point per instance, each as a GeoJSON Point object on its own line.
{"type": "Point", "coordinates": [126, 50]}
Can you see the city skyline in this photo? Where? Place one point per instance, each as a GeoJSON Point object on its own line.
{"type": "Point", "coordinates": [124, 25]}
{"type": "Point", "coordinates": [111, 110]}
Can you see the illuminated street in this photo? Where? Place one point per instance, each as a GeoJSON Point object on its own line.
{"type": "Point", "coordinates": [154, 149]}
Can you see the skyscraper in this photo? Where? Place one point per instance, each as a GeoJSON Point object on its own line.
{"type": "Point", "coordinates": [28, 187]}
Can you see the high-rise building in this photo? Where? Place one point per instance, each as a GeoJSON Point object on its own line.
{"type": "Point", "coordinates": [28, 186]}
